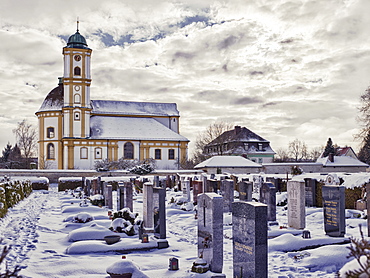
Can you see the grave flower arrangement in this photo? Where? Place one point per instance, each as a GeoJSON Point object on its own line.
{"type": "Point", "coordinates": [124, 221]}
{"type": "Point", "coordinates": [97, 200]}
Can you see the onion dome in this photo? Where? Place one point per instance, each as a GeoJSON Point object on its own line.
{"type": "Point", "coordinates": [77, 41]}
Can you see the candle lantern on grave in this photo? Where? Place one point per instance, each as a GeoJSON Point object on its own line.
{"type": "Point", "coordinates": [145, 238]}
{"type": "Point", "coordinates": [174, 264]}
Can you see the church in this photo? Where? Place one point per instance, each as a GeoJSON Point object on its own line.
{"type": "Point", "coordinates": [75, 131]}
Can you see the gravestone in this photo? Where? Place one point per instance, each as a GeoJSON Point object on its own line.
{"type": "Point", "coordinates": [128, 198]}
{"type": "Point", "coordinates": [268, 197]}
{"type": "Point", "coordinates": [210, 230]}
{"type": "Point", "coordinates": [296, 205]}
{"type": "Point", "coordinates": [249, 239]}
{"type": "Point", "coordinates": [197, 189]}
{"type": "Point", "coordinates": [120, 196]}
{"type": "Point", "coordinates": [186, 189]}
{"type": "Point", "coordinates": [160, 217]}
{"type": "Point", "coordinates": [87, 189]}
{"type": "Point", "coordinates": [310, 192]}
{"type": "Point", "coordinates": [333, 199]}
{"type": "Point", "coordinates": [94, 186]}
{"type": "Point", "coordinates": [245, 191]}
{"type": "Point", "coordinates": [227, 191]}
{"type": "Point", "coordinates": [257, 182]}
{"type": "Point", "coordinates": [212, 186]}
{"type": "Point", "coordinates": [108, 195]}
{"type": "Point", "coordinates": [148, 207]}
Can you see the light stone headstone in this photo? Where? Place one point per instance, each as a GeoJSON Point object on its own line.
{"type": "Point", "coordinates": [249, 239]}
{"type": "Point", "coordinates": [148, 207]}
{"type": "Point", "coordinates": [333, 198]}
{"type": "Point", "coordinates": [210, 230]}
{"type": "Point", "coordinates": [296, 205]}
{"type": "Point", "coordinates": [268, 197]}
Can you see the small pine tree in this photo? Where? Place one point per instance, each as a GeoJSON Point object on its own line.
{"type": "Point", "coordinates": [329, 148]}
{"type": "Point", "coordinates": [358, 248]}
{"type": "Point", "coordinates": [6, 152]}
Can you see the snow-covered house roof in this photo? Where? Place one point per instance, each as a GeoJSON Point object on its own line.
{"type": "Point", "coordinates": [224, 161]}
{"type": "Point", "coordinates": [341, 161]}
{"type": "Point", "coordinates": [133, 108]}
{"type": "Point", "coordinates": [131, 128]}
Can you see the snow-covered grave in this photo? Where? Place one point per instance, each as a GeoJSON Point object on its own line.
{"type": "Point", "coordinates": [54, 235]}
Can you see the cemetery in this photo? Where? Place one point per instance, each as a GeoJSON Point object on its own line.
{"type": "Point", "coordinates": [187, 225]}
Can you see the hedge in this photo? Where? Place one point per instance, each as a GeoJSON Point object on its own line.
{"type": "Point", "coordinates": [11, 192]}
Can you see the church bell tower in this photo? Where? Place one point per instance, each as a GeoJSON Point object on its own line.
{"type": "Point", "coordinates": [76, 82]}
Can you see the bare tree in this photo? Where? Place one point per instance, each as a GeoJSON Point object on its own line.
{"type": "Point", "coordinates": [315, 153]}
{"type": "Point", "coordinates": [26, 136]}
{"type": "Point", "coordinates": [282, 155]}
{"type": "Point", "coordinates": [212, 133]}
{"type": "Point", "coordinates": [298, 150]}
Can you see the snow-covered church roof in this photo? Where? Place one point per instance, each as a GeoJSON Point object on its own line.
{"type": "Point", "coordinates": [131, 128]}
{"type": "Point", "coordinates": [134, 108]}
{"type": "Point", "coordinates": [226, 161]}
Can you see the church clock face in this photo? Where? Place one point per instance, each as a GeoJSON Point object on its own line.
{"type": "Point", "coordinates": [77, 58]}
{"type": "Point", "coordinates": [77, 88]}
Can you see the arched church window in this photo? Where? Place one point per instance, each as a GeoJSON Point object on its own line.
{"type": "Point", "coordinates": [77, 71]}
{"type": "Point", "coordinates": [50, 152]}
{"type": "Point", "coordinates": [128, 151]}
{"type": "Point", "coordinates": [77, 98]}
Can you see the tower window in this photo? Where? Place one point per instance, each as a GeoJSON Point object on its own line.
{"type": "Point", "coordinates": [128, 151]}
{"type": "Point", "coordinates": [77, 71]}
{"type": "Point", "coordinates": [77, 98]}
{"type": "Point", "coordinates": [98, 153]}
{"type": "Point", "coordinates": [77, 116]}
{"type": "Point", "coordinates": [171, 154]}
{"type": "Point", "coordinates": [157, 154]}
{"type": "Point", "coordinates": [50, 132]}
{"type": "Point", "coordinates": [50, 152]}
{"type": "Point", "coordinates": [83, 153]}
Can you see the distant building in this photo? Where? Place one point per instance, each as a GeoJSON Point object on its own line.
{"type": "Point", "coordinates": [75, 131]}
{"type": "Point", "coordinates": [243, 142]}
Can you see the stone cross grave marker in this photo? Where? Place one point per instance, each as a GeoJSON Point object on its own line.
{"type": "Point", "coordinates": [333, 198]}
{"type": "Point", "coordinates": [268, 197]}
{"type": "Point", "coordinates": [249, 239]}
{"type": "Point", "coordinates": [210, 230]}
{"type": "Point", "coordinates": [296, 205]}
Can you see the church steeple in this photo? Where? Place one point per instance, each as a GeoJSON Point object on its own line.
{"type": "Point", "coordinates": [76, 81]}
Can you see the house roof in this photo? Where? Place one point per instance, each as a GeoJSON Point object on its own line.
{"type": "Point", "coordinates": [341, 161]}
{"type": "Point", "coordinates": [240, 134]}
{"type": "Point", "coordinates": [131, 128]}
{"type": "Point", "coordinates": [224, 161]}
{"type": "Point", "coordinates": [134, 108]}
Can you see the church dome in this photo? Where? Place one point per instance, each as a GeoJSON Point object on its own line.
{"type": "Point", "coordinates": [54, 100]}
{"type": "Point", "coordinates": [77, 41]}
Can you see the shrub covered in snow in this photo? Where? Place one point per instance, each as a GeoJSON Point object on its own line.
{"type": "Point", "coordinates": [11, 192]}
{"type": "Point", "coordinates": [83, 217]}
{"type": "Point", "coordinates": [124, 221]}
{"type": "Point", "coordinates": [40, 183]}
{"type": "Point", "coordinates": [97, 200]}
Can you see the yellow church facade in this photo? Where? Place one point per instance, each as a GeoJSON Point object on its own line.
{"type": "Point", "coordinates": [75, 131]}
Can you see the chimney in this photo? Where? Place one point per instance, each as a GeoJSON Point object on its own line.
{"type": "Point", "coordinates": [331, 157]}
{"type": "Point", "coordinates": [60, 79]}
{"type": "Point", "coordinates": [237, 129]}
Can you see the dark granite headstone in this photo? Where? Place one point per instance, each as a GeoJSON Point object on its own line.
{"type": "Point", "coordinates": [128, 198]}
{"type": "Point", "coordinates": [197, 189]}
{"type": "Point", "coordinates": [108, 195]}
{"type": "Point", "coordinates": [245, 191]}
{"type": "Point", "coordinates": [210, 230]}
{"type": "Point", "coordinates": [160, 217]}
{"type": "Point", "coordinates": [249, 239]}
{"type": "Point", "coordinates": [333, 199]}
{"type": "Point", "coordinates": [310, 192]}
{"type": "Point", "coordinates": [120, 196]}
{"type": "Point", "coordinates": [227, 191]}
{"type": "Point", "coordinates": [268, 197]}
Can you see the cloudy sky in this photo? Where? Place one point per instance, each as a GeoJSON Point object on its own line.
{"type": "Point", "coordinates": [284, 69]}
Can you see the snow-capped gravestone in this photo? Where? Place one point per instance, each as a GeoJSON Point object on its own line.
{"type": "Point", "coordinates": [268, 197]}
{"type": "Point", "coordinates": [210, 230]}
{"type": "Point", "coordinates": [249, 239]}
{"type": "Point", "coordinates": [333, 199]}
{"type": "Point", "coordinates": [227, 191]}
{"type": "Point", "coordinates": [296, 205]}
{"type": "Point", "coordinates": [148, 207]}
{"type": "Point", "coordinates": [310, 192]}
{"type": "Point", "coordinates": [245, 191]}
{"type": "Point", "coordinates": [160, 217]}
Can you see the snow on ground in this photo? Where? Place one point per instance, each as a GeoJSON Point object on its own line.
{"type": "Point", "coordinates": [41, 238]}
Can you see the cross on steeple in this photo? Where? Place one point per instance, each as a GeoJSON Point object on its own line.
{"type": "Point", "coordinates": [78, 22]}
